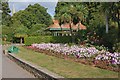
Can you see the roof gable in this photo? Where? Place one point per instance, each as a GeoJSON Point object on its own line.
{"type": "Point", "coordinates": [66, 26]}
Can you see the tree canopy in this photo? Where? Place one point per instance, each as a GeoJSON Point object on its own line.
{"type": "Point", "coordinates": [6, 18]}
{"type": "Point", "coordinates": [30, 17]}
{"type": "Point", "coordinates": [101, 18]}
{"type": "Point", "coordinates": [31, 21]}
{"type": "Point", "coordinates": [33, 14]}
{"type": "Point", "coordinates": [66, 11]}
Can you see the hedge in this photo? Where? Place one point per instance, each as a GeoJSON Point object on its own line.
{"type": "Point", "coordinates": [61, 39]}
{"type": "Point", "coordinates": [47, 39]}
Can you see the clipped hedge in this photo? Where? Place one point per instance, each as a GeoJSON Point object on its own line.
{"type": "Point", "coordinates": [37, 39]}
{"type": "Point", "coordinates": [61, 39]}
{"type": "Point", "coordinates": [47, 39]}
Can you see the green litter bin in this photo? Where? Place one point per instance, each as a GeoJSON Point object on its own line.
{"type": "Point", "coordinates": [13, 49]}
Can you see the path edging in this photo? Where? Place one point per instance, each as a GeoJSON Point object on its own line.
{"type": "Point", "coordinates": [38, 72]}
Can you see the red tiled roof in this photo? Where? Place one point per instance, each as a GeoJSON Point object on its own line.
{"type": "Point", "coordinates": [82, 26]}
{"type": "Point", "coordinates": [66, 25]}
{"type": "Point", "coordinates": [55, 21]}
{"type": "Point", "coordinates": [79, 26]}
{"type": "Point", "coordinates": [55, 25]}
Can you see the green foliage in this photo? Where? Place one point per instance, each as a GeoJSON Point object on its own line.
{"type": "Point", "coordinates": [81, 36]}
{"type": "Point", "coordinates": [70, 12]}
{"type": "Point", "coordinates": [21, 30]}
{"type": "Point", "coordinates": [61, 39]}
{"type": "Point", "coordinates": [6, 18]}
{"type": "Point", "coordinates": [111, 38]}
{"type": "Point", "coordinates": [32, 21]}
{"type": "Point", "coordinates": [101, 47]}
{"type": "Point", "coordinates": [117, 47]}
{"type": "Point", "coordinates": [36, 30]}
{"type": "Point", "coordinates": [47, 39]}
{"type": "Point", "coordinates": [5, 42]}
{"type": "Point", "coordinates": [32, 15]}
{"type": "Point", "coordinates": [7, 32]}
{"type": "Point", "coordinates": [37, 39]}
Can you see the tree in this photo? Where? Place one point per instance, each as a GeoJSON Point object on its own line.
{"type": "Point", "coordinates": [7, 32]}
{"type": "Point", "coordinates": [21, 32]}
{"type": "Point", "coordinates": [105, 9]}
{"type": "Point", "coordinates": [36, 30]}
{"type": "Point", "coordinates": [110, 11]}
{"type": "Point", "coordinates": [6, 18]}
{"type": "Point", "coordinates": [34, 19]}
{"type": "Point", "coordinates": [115, 15]}
{"type": "Point", "coordinates": [33, 14]}
{"type": "Point", "coordinates": [99, 17]}
{"type": "Point", "coordinates": [67, 12]}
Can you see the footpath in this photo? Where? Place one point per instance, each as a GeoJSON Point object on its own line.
{"type": "Point", "coordinates": [11, 70]}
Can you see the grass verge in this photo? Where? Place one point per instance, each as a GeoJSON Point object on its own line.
{"type": "Point", "coordinates": [63, 67]}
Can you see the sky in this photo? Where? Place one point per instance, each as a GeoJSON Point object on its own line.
{"type": "Point", "coordinates": [50, 4]}
{"type": "Point", "coordinates": [22, 4]}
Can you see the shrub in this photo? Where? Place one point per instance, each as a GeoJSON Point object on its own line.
{"type": "Point", "coordinates": [36, 39]}
{"type": "Point", "coordinates": [46, 39]}
{"type": "Point", "coordinates": [117, 47]}
{"type": "Point", "coordinates": [61, 39]}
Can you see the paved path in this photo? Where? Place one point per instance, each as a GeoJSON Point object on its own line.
{"type": "Point", "coordinates": [0, 61]}
{"type": "Point", "coordinates": [12, 70]}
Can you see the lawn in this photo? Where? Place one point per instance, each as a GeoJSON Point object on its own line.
{"type": "Point", "coordinates": [63, 67]}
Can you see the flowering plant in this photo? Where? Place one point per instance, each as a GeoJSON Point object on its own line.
{"type": "Point", "coordinates": [80, 52]}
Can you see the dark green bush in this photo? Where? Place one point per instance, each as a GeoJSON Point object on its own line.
{"type": "Point", "coordinates": [47, 39]}
{"type": "Point", "coordinates": [37, 39]}
{"type": "Point", "coordinates": [61, 39]}
{"type": "Point", "coordinates": [117, 47]}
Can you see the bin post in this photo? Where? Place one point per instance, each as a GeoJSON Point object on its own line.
{"type": "Point", "coordinates": [5, 52]}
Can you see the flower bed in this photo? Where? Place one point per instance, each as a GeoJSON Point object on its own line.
{"type": "Point", "coordinates": [85, 55]}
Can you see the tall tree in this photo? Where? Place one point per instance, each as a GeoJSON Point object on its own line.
{"type": "Point", "coordinates": [21, 32]}
{"type": "Point", "coordinates": [31, 17]}
{"type": "Point", "coordinates": [37, 29]}
{"type": "Point", "coordinates": [115, 15]}
{"type": "Point", "coordinates": [6, 18]}
{"type": "Point", "coordinates": [70, 12]}
{"type": "Point", "coordinates": [105, 8]}
{"type": "Point", "coordinates": [33, 14]}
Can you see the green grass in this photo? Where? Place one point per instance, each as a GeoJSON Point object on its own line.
{"type": "Point", "coordinates": [63, 67]}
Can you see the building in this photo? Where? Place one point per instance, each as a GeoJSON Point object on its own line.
{"type": "Point", "coordinates": [64, 29]}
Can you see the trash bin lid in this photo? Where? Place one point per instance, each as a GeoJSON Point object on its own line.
{"type": "Point", "coordinates": [13, 49]}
